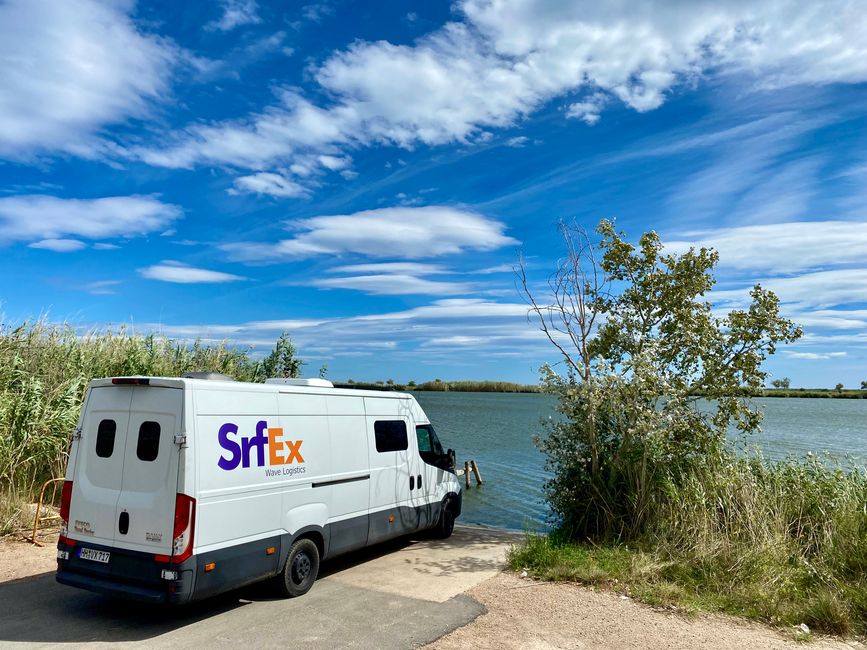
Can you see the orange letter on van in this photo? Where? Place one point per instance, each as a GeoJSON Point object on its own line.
{"type": "Point", "coordinates": [294, 448]}
{"type": "Point", "coordinates": [274, 435]}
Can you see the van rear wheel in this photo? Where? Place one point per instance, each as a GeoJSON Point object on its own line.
{"type": "Point", "coordinates": [301, 568]}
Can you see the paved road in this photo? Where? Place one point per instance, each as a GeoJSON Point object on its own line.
{"type": "Point", "coordinates": [399, 595]}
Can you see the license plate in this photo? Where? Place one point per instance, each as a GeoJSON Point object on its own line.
{"type": "Point", "coordinates": [93, 555]}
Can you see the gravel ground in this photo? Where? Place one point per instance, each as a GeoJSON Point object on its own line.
{"type": "Point", "coordinates": [21, 559]}
{"type": "Point", "coordinates": [524, 614]}
{"type": "Point", "coordinates": [533, 615]}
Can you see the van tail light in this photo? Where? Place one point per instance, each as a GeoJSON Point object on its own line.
{"type": "Point", "coordinates": [65, 501]}
{"type": "Point", "coordinates": [185, 525]}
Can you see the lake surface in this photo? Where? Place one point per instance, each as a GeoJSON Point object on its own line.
{"type": "Point", "coordinates": [497, 430]}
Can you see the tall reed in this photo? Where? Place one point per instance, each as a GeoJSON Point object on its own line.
{"type": "Point", "coordinates": [44, 371]}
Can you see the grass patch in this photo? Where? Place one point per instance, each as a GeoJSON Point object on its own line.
{"type": "Point", "coordinates": [782, 543]}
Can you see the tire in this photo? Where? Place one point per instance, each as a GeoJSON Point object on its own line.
{"type": "Point", "coordinates": [446, 523]}
{"type": "Point", "coordinates": [301, 568]}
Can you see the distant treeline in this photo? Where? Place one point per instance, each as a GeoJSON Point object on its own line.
{"type": "Point", "coordinates": [444, 386]}
{"type": "Point", "coordinates": [510, 387]}
{"type": "Point", "coordinates": [831, 393]}
{"type": "Point", "coordinates": [814, 392]}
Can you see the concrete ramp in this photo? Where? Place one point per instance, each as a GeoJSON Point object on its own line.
{"type": "Point", "coordinates": [434, 570]}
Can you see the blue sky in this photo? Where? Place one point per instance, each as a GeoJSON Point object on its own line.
{"type": "Point", "coordinates": [364, 175]}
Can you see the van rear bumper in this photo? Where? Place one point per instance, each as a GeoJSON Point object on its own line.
{"type": "Point", "coordinates": [108, 587]}
{"type": "Point", "coordinates": [131, 575]}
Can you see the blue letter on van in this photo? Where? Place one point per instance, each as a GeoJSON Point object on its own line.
{"type": "Point", "coordinates": [230, 446]}
{"type": "Point", "coordinates": [258, 441]}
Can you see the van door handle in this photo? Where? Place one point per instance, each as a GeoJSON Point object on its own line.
{"type": "Point", "coordinates": [123, 523]}
{"type": "Point", "coordinates": [412, 482]}
{"type": "Point", "coordinates": [418, 481]}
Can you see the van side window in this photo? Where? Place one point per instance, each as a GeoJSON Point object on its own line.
{"type": "Point", "coordinates": [105, 438]}
{"type": "Point", "coordinates": [148, 441]}
{"type": "Point", "coordinates": [429, 447]}
{"type": "Point", "coordinates": [390, 435]}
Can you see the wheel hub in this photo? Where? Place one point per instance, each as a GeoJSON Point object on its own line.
{"type": "Point", "coordinates": [300, 567]}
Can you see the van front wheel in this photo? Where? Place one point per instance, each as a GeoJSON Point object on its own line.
{"type": "Point", "coordinates": [301, 569]}
{"type": "Point", "coordinates": [446, 524]}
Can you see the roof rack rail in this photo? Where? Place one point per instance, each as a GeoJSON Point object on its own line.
{"type": "Point", "coordinates": [293, 381]}
{"type": "Point", "coordinates": [207, 374]}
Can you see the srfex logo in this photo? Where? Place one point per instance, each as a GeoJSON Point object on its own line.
{"type": "Point", "coordinates": [239, 454]}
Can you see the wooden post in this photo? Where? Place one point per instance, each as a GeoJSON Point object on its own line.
{"type": "Point", "coordinates": [467, 473]}
{"type": "Point", "coordinates": [476, 472]}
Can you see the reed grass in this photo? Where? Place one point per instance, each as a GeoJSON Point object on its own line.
{"type": "Point", "coordinates": [44, 372]}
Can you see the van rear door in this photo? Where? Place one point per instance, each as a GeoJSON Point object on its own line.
{"type": "Point", "coordinates": [146, 505]}
{"type": "Point", "coordinates": [127, 474]}
{"type": "Point", "coordinates": [99, 469]}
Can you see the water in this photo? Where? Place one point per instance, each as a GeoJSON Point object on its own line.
{"type": "Point", "coordinates": [497, 430]}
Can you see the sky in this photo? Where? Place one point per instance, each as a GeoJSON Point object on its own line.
{"type": "Point", "coordinates": [364, 176]}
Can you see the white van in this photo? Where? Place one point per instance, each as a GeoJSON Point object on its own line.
{"type": "Point", "coordinates": [181, 488]}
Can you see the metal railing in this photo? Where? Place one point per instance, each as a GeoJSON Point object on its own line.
{"type": "Point", "coordinates": [39, 518]}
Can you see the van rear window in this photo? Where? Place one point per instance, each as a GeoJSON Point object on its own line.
{"type": "Point", "coordinates": [105, 438]}
{"type": "Point", "coordinates": [390, 435]}
{"type": "Point", "coordinates": [148, 441]}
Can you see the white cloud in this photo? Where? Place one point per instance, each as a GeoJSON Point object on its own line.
{"type": "Point", "coordinates": [59, 245]}
{"type": "Point", "coordinates": [394, 285]}
{"type": "Point", "coordinates": [69, 68]}
{"type": "Point", "coordinates": [171, 271]}
{"type": "Point", "coordinates": [814, 356]}
{"type": "Point", "coordinates": [518, 141]}
{"type": "Point", "coordinates": [102, 287]}
{"type": "Point", "coordinates": [407, 268]}
{"type": "Point", "coordinates": [506, 59]}
{"type": "Point", "coordinates": [455, 341]}
{"type": "Point", "coordinates": [455, 308]}
{"type": "Point", "coordinates": [499, 268]}
{"type": "Point", "coordinates": [783, 247]}
{"type": "Point", "coordinates": [834, 319]}
{"type": "Point", "coordinates": [476, 326]}
{"type": "Point", "coordinates": [317, 11]}
{"type": "Point", "coordinates": [281, 325]}
{"type": "Point", "coordinates": [818, 289]}
{"type": "Point", "coordinates": [405, 232]}
{"type": "Point", "coordinates": [588, 110]}
{"type": "Point", "coordinates": [36, 217]}
{"type": "Point", "coordinates": [271, 184]}
{"type": "Point", "coordinates": [235, 14]}
{"type": "Point", "coordinates": [101, 246]}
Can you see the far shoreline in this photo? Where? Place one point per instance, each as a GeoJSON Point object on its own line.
{"type": "Point", "coordinates": [470, 386]}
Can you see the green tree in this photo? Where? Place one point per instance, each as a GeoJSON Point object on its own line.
{"type": "Point", "coordinates": [838, 387]}
{"type": "Point", "coordinates": [783, 383]}
{"type": "Point", "coordinates": [638, 342]}
{"type": "Point", "coordinates": [282, 362]}
{"type": "Point", "coordinates": [864, 385]}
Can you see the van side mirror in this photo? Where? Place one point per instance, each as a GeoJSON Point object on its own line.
{"type": "Point", "coordinates": [452, 459]}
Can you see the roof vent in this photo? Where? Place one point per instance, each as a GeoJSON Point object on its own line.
{"type": "Point", "coordinates": [318, 383]}
{"type": "Point", "coordinates": [207, 374]}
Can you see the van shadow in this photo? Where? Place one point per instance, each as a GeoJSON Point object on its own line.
{"type": "Point", "coordinates": [39, 610]}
